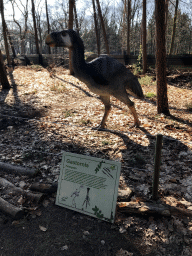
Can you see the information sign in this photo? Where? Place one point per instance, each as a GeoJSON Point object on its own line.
{"type": "Point", "coordinates": [89, 185]}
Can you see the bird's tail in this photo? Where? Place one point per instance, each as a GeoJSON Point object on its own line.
{"type": "Point", "coordinates": [134, 88]}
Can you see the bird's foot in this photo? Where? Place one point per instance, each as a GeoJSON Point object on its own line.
{"type": "Point", "coordinates": [99, 128]}
{"type": "Point", "coordinates": [136, 124]}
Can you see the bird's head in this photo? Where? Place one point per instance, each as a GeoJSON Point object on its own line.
{"type": "Point", "coordinates": [65, 38]}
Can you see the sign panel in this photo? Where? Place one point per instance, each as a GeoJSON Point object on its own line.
{"type": "Point", "coordinates": [89, 185]}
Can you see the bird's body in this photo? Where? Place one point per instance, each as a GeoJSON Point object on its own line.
{"type": "Point", "coordinates": [104, 76]}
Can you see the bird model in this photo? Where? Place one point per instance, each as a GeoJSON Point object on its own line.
{"type": "Point", "coordinates": [104, 75]}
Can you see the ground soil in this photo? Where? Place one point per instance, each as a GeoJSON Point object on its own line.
{"type": "Point", "coordinates": [47, 112]}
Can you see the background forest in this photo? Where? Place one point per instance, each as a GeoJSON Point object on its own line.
{"type": "Point", "coordinates": [54, 16]}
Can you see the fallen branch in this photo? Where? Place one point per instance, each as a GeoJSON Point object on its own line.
{"type": "Point", "coordinates": [10, 188]}
{"type": "Point", "coordinates": [145, 208]}
{"type": "Point", "coordinates": [17, 169]}
{"type": "Point", "coordinates": [13, 211]}
{"type": "Point", "coordinates": [44, 188]}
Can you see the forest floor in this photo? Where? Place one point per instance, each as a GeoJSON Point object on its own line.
{"type": "Point", "coordinates": [56, 112]}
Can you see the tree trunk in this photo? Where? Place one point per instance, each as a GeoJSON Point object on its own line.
{"type": "Point", "coordinates": [96, 28]}
{"type": "Point", "coordinates": [48, 24]}
{"type": "Point", "coordinates": [35, 27]}
{"type": "Point", "coordinates": [162, 100]}
{"type": "Point", "coordinates": [103, 27]}
{"type": "Point", "coordinates": [76, 19]}
{"type": "Point", "coordinates": [128, 26]}
{"type": "Point", "coordinates": [124, 27]}
{"type": "Point", "coordinates": [38, 19]}
{"type": "Point", "coordinates": [11, 43]}
{"type": "Point", "coordinates": [144, 38]}
{"type": "Point", "coordinates": [174, 29]}
{"type": "Point", "coordinates": [71, 7]}
{"type": "Point", "coordinates": [4, 32]}
{"type": "Point", "coordinates": [25, 31]}
{"type": "Point", "coordinates": [22, 34]}
{"type": "Point", "coordinates": [3, 76]}
{"type": "Point", "coordinates": [141, 33]}
{"type": "Point", "coordinates": [190, 42]}
{"type": "Point", "coordinates": [166, 12]}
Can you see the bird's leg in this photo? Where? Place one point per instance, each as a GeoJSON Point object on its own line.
{"type": "Point", "coordinates": [136, 119]}
{"type": "Point", "coordinates": [106, 102]}
{"type": "Point", "coordinates": [125, 99]}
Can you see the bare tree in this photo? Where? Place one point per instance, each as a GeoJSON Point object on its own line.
{"type": "Point", "coordinates": [70, 25]}
{"type": "Point", "coordinates": [35, 27]}
{"type": "Point", "coordinates": [123, 25]}
{"type": "Point", "coordinates": [166, 12]}
{"type": "Point", "coordinates": [3, 76]}
{"type": "Point", "coordinates": [39, 29]}
{"type": "Point", "coordinates": [128, 25]}
{"type": "Point", "coordinates": [162, 99]}
{"type": "Point", "coordinates": [76, 19]}
{"type": "Point", "coordinates": [11, 43]}
{"type": "Point", "coordinates": [96, 27]}
{"type": "Point", "coordinates": [174, 28]}
{"type": "Point", "coordinates": [22, 31]}
{"type": "Point", "coordinates": [144, 38]}
{"type": "Point", "coordinates": [47, 16]}
{"type": "Point", "coordinates": [64, 6]}
{"type": "Point", "coordinates": [48, 24]}
{"type": "Point", "coordinates": [5, 32]}
{"type": "Point", "coordinates": [71, 8]}
{"type": "Point", "coordinates": [103, 27]}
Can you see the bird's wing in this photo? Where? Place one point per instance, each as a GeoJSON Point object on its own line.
{"type": "Point", "coordinates": [103, 69]}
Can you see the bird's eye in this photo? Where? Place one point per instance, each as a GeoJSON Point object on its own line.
{"type": "Point", "coordinates": [63, 33]}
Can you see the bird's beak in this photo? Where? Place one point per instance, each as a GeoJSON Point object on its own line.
{"type": "Point", "coordinates": [50, 41]}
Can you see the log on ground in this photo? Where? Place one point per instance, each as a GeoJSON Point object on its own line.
{"type": "Point", "coordinates": [145, 208]}
{"type": "Point", "coordinates": [10, 188]}
{"type": "Point", "coordinates": [44, 188]}
{"type": "Point", "coordinates": [13, 211]}
{"type": "Point", "coordinates": [17, 169]}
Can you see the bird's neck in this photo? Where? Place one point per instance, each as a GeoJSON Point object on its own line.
{"type": "Point", "coordinates": [78, 62]}
{"type": "Point", "coordinates": [82, 69]}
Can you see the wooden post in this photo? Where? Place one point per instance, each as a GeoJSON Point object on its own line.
{"type": "Point", "coordinates": [158, 147]}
